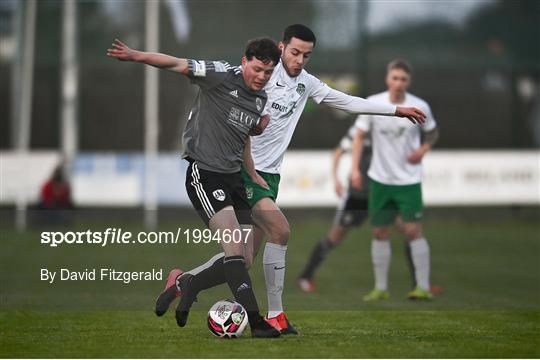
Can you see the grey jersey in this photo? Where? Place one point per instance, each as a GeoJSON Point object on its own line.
{"type": "Point", "coordinates": [224, 112]}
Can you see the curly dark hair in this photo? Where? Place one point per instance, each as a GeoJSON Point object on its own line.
{"type": "Point", "coordinates": [264, 49]}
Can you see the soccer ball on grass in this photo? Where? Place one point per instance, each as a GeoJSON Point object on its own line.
{"type": "Point", "coordinates": [227, 319]}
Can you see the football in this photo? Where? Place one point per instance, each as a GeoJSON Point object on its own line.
{"type": "Point", "coordinates": [227, 319]}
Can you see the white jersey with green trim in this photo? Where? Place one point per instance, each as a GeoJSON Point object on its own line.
{"type": "Point", "coordinates": [287, 97]}
{"type": "Point", "coordinates": [394, 140]}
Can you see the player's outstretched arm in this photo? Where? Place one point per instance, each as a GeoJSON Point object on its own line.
{"type": "Point", "coordinates": [416, 116]}
{"type": "Point", "coordinates": [358, 105]}
{"type": "Point", "coordinates": [123, 52]}
{"type": "Point", "coordinates": [358, 147]}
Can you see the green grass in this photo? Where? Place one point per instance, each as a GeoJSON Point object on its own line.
{"type": "Point", "coordinates": [350, 334]}
{"type": "Point", "coordinates": [490, 308]}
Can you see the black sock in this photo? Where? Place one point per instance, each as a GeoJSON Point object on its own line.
{"type": "Point", "coordinates": [238, 279]}
{"type": "Point", "coordinates": [319, 253]}
{"type": "Point", "coordinates": [209, 277]}
{"type": "Point", "coordinates": [408, 256]}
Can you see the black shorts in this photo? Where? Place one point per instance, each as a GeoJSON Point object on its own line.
{"type": "Point", "coordinates": [353, 210]}
{"type": "Point", "coordinates": [210, 192]}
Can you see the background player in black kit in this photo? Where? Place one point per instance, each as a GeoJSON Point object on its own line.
{"type": "Point", "coordinates": [226, 112]}
{"type": "Point", "coordinates": [351, 212]}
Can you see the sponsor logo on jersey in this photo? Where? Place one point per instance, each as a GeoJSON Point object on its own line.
{"type": "Point", "coordinates": [279, 107]}
{"type": "Point", "coordinates": [258, 104]}
{"type": "Point", "coordinates": [395, 133]}
{"type": "Point", "coordinates": [279, 85]}
{"type": "Point", "coordinates": [234, 93]}
{"type": "Point", "coordinates": [219, 194]}
{"type": "Point", "coordinates": [287, 110]}
{"type": "Point", "coordinates": [240, 119]}
{"type": "Point", "coordinates": [301, 89]}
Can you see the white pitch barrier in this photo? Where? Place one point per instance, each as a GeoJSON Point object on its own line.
{"type": "Point", "coordinates": [459, 178]}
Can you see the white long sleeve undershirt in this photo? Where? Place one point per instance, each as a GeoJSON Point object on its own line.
{"type": "Point", "coordinates": [356, 105]}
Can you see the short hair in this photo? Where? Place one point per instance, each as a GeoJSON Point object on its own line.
{"type": "Point", "coordinates": [399, 64]}
{"type": "Point", "coordinates": [263, 49]}
{"type": "Point", "coordinates": [299, 31]}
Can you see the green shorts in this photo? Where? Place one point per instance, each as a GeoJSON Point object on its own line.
{"type": "Point", "coordinates": [387, 201]}
{"type": "Point", "coordinates": [255, 192]}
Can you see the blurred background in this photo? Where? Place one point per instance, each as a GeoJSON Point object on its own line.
{"type": "Point", "coordinates": [63, 101]}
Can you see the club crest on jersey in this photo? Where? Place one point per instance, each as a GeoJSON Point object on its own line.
{"type": "Point", "coordinates": [219, 194]}
{"type": "Point", "coordinates": [249, 192]}
{"type": "Point", "coordinates": [301, 89]}
{"type": "Point", "coordinates": [258, 104]}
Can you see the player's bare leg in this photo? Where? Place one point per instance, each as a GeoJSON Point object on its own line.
{"type": "Point", "coordinates": [269, 218]}
{"type": "Point", "coordinates": [381, 254]}
{"type": "Point", "coordinates": [258, 239]}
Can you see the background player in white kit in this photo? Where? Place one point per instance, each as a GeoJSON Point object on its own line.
{"type": "Point", "coordinates": [395, 176]}
{"type": "Point", "coordinates": [288, 91]}
{"type": "Point", "coordinates": [352, 212]}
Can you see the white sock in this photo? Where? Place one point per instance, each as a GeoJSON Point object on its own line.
{"type": "Point", "coordinates": [380, 255]}
{"type": "Point", "coordinates": [420, 258]}
{"type": "Point", "coordinates": [274, 274]}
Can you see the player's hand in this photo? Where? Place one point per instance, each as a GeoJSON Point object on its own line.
{"type": "Point", "coordinates": [260, 181]}
{"type": "Point", "coordinates": [259, 128]}
{"type": "Point", "coordinates": [416, 116]}
{"type": "Point", "coordinates": [416, 156]}
{"type": "Point", "coordinates": [338, 188]}
{"type": "Point", "coordinates": [356, 180]}
{"type": "Point", "coordinates": [121, 51]}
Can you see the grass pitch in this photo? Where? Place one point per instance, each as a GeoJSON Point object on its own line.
{"type": "Point", "coordinates": [490, 308]}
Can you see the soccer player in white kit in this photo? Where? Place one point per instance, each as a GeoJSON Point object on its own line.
{"type": "Point", "coordinates": [288, 91]}
{"type": "Point", "coordinates": [395, 176]}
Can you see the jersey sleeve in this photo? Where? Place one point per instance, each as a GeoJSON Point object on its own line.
{"type": "Point", "coordinates": [346, 143]}
{"type": "Point", "coordinates": [430, 123]}
{"type": "Point", "coordinates": [207, 74]}
{"type": "Point", "coordinates": [318, 90]}
{"type": "Point", "coordinates": [356, 105]}
{"type": "Point", "coordinates": [363, 122]}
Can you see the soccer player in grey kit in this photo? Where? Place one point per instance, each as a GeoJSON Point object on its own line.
{"type": "Point", "coordinates": [227, 110]}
